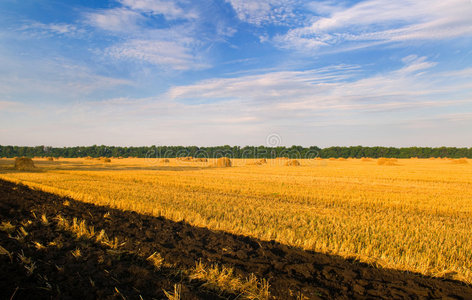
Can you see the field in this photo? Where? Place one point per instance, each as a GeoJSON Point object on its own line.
{"type": "Point", "coordinates": [413, 215]}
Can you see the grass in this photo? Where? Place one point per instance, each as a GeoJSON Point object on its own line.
{"type": "Point", "coordinates": [7, 227]}
{"type": "Point", "coordinates": [174, 295]}
{"type": "Point", "coordinates": [223, 279]}
{"type": "Point", "coordinates": [414, 216]}
{"type": "Point", "coordinates": [156, 260]}
{"type": "Point", "coordinates": [80, 229]}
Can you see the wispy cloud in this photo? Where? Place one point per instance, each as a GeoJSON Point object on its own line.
{"type": "Point", "coordinates": [172, 47]}
{"type": "Point", "coordinates": [38, 29]}
{"type": "Point", "coordinates": [194, 72]}
{"type": "Point", "coordinates": [295, 104]}
{"type": "Point", "coordinates": [57, 78]}
{"type": "Point", "coordinates": [371, 22]}
{"type": "Point", "coordinates": [334, 88]}
{"type": "Point", "coordinates": [157, 52]}
{"type": "Point", "coordinates": [115, 19]}
{"type": "Point", "coordinates": [305, 107]}
{"type": "Point", "coordinates": [169, 9]}
{"type": "Point", "coordinates": [268, 87]}
{"type": "Point", "coordinates": [265, 11]}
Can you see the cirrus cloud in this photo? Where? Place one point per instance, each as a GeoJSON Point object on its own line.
{"type": "Point", "coordinates": [372, 22]}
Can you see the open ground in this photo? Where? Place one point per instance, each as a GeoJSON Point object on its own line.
{"type": "Point", "coordinates": [410, 215]}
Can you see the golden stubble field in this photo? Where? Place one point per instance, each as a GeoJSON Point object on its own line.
{"type": "Point", "coordinates": [413, 215]}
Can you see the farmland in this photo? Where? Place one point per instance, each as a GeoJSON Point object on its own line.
{"type": "Point", "coordinates": [413, 215]}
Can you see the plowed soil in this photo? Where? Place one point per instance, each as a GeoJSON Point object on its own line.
{"type": "Point", "coordinates": [101, 273]}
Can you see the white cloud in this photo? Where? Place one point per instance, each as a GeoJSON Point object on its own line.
{"type": "Point", "coordinates": [383, 21]}
{"type": "Point", "coordinates": [269, 87]}
{"type": "Point", "coordinates": [56, 27]}
{"type": "Point", "coordinates": [116, 19]}
{"type": "Point", "coordinates": [296, 104]}
{"type": "Point", "coordinates": [264, 11]}
{"type": "Point", "coordinates": [325, 7]}
{"type": "Point", "coordinates": [22, 78]}
{"type": "Point", "coordinates": [157, 52]}
{"type": "Point", "coordinates": [305, 107]}
{"type": "Point", "coordinates": [167, 8]}
{"type": "Point", "coordinates": [333, 88]}
{"type": "Point", "coordinates": [173, 46]}
{"type": "Point", "coordinates": [38, 29]}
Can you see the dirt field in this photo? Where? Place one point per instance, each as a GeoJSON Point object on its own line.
{"type": "Point", "coordinates": [124, 272]}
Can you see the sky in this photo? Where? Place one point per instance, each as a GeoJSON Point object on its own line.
{"type": "Point", "coordinates": [236, 72]}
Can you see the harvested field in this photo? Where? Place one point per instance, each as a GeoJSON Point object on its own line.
{"type": "Point", "coordinates": [64, 266]}
{"type": "Point", "coordinates": [413, 217]}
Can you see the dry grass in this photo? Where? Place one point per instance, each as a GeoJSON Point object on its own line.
{"type": "Point", "coordinates": [221, 278]}
{"type": "Point", "coordinates": [4, 251]}
{"type": "Point", "coordinates": [44, 220]}
{"type": "Point", "coordinates": [292, 163]}
{"type": "Point", "coordinates": [80, 229]}
{"type": "Point", "coordinates": [176, 294]}
{"type": "Point", "coordinates": [414, 216]}
{"type": "Point", "coordinates": [156, 260]}
{"type": "Point", "coordinates": [222, 162]}
{"type": "Point", "coordinates": [24, 164]}
{"type": "Point", "coordinates": [261, 161]}
{"type": "Point", "coordinates": [387, 161]}
{"type": "Point", "coordinates": [185, 158]}
{"type": "Point", "coordinates": [76, 253]}
{"type": "Point", "coordinates": [460, 161]}
{"type": "Point", "coordinates": [7, 227]}
{"type": "Point", "coordinates": [257, 162]}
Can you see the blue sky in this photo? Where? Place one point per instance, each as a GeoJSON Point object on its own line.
{"type": "Point", "coordinates": [214, 72]}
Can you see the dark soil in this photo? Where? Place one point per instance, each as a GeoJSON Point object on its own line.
{"type": "Point", "coordinates": [125, 274]}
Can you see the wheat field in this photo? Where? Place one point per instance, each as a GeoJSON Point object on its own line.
{"type": "Point", "coordinates": [412, 215]}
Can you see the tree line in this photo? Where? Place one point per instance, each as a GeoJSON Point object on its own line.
{"type": "Point", "coordinates": [234, 151]}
